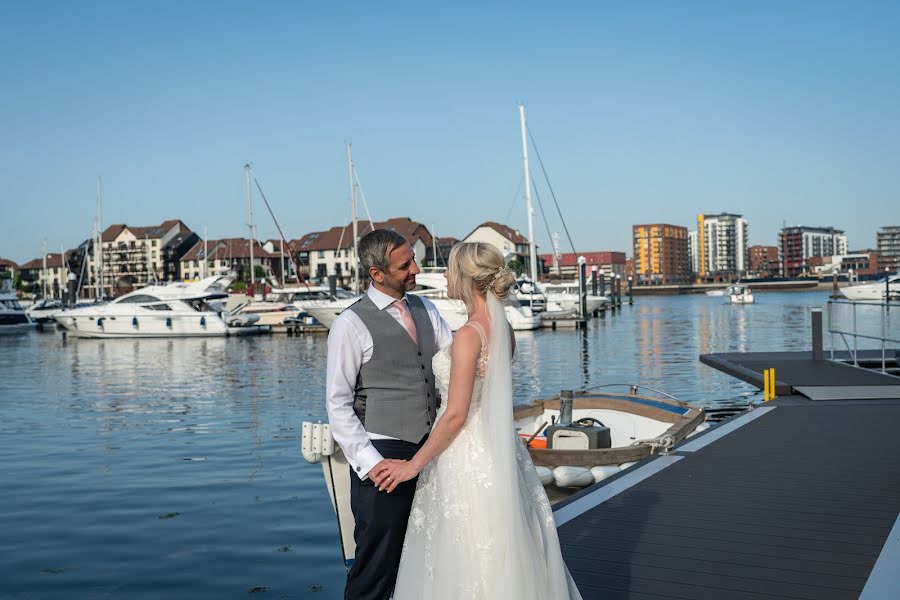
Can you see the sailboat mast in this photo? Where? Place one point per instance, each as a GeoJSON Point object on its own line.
{"type": "Point", "coordinates": [44, 270]}
{"type": "Point", "coordinates": [63, 272]}
{"type": "Point", "coordinates": [533, 255]}
{"type": "Point", "coordinates": [354, 262]}
{"type": "Point", "coordinates": [99, 245]}
{"type": "Point", "coordinates": [250, 224]}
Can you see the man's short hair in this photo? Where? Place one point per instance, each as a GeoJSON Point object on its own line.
{"type": "Point", "coordinates": [375, 248]}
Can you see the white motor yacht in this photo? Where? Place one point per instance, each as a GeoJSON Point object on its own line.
{"type": "Point", "coordinates": [175, 310]}
{"type": "Point", "coordinates": [13, 318]}
{"type": "Point", "coordinates": [565, 294]}
{"type": "Point", "coordinates": [292, 303]}
{"type": "Point", "coordinates": [43, 311]}
{"type": "Point", "coordinates": [884, 290]}
{"type": "Point", "coordinates": [739, 294]}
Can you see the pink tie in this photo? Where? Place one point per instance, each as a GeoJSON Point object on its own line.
{"type": "Point", "coordinates": [406, 319]}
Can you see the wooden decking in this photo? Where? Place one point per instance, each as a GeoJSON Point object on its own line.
{"type": "Point", "coordinates": [796, 499]}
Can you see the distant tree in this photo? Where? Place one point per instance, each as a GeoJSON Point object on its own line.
{"type": "Point", "coordinates": [516, 266]}
{"type": "Point", "coordinates": [259, 271]}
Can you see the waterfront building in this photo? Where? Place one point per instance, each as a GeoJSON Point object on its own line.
{"type": "Point", "coordinates": [661, 254]}
{"type": "Point", "coordinates": [173, 251]}
{"type": "Point", "coordinates": [608, 263]}
{"type": "Point", "coordinates": [859, 263]}
{"type": "Point", "coordinates": [443, 246]}
{"type": "Point", "coordinates": [797, 244]}
{"type": "Point", "coordinates": [888, 244]}
{"type": "Point", "coordinates": [229, 256]}
{"type": "Point", "coordinates": [764, 261]}
{"type": "Point", "coordinates": [53, 279]}
{"type": "Point", "coordinates": [722, 242]}
{"type": "Point", "coordinates": [694, 251]}
{"type": "Point", "coordinates": [512, 244]}
{"type": "Point", "coordinates": [283, 268]}
{"type": "Point", "coordinates": [132, 257]}
{"type": "Point", "coordinates": [322, 253]}
{"type": "Point", "coordinates": [7, 266]}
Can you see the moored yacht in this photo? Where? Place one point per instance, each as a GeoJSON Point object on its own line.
{"type": "Point", "coordinates": [13, 318]}
{"type": "Point", "coordinates": [174, 310]}
{"type": "Point", "coordinates": [884, 290]}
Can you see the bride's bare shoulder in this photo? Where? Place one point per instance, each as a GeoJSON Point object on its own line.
{"type": "Point", "coordinates": [466, 343]}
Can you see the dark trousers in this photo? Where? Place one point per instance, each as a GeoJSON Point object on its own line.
{"type": "Point", "coordinates": [380, 528]}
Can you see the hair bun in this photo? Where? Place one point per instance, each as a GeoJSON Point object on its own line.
{"type": "Point", "coordinates": [501, 283]}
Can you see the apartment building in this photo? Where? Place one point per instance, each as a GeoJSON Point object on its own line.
{"type": "Point", "coordinates": [661, 254]}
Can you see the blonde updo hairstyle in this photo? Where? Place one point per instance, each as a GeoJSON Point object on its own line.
{"type": "Point", "coordinates": [476, 267]}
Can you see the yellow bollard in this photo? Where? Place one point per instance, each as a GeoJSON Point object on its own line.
{"type": "Point", "coordinates": [772, 383]}
{"type": "Point", "coordinates": [765, 385]}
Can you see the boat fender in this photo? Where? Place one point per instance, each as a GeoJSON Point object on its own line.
{"type": "Point", "coordinates": [134, 322]}
{"type": "Point", "coordinates": [169, 322]}
{"type": "Point", "coordinates": [601, 472]}
{"type": "Point", "coordinates": [100, 322]}
{"type": "Point", "coordinates": [316, 441]}
{"type": "Point", "coordinates": [572, 476]}
{"type": "Point", "coordinates": [700, 429]}
{"type": "Point", "coordinates": [203, 322]}
{"type": "Point", "coordinates": [545, 475]}
{"type": "Point", "coordinates": [626, 465]}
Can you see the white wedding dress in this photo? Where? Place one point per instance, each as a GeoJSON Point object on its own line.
{"type": "Point", "coordinates": [481, 526]}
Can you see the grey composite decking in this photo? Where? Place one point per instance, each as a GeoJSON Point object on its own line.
{"type": "Point", "coordinates": [795, 503]}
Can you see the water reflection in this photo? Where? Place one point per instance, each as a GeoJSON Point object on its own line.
{"type": "Point", "coordinates": [135, 467]}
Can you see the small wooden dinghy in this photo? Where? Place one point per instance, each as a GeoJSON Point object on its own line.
{"type": "Point", "coordinates": [602, 434]}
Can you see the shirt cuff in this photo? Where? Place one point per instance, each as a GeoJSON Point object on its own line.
{"type": "Point", "coordinates": [367, 458]}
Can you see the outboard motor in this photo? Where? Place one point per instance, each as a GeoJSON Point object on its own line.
{"type": "Point", "coordinates": [584, 434]}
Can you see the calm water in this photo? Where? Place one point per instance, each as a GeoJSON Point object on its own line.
{"type": "Point", "coordinates": [172, 469]}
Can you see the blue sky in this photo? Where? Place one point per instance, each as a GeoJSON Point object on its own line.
{"type": "Point", "coordinates": [643, 112]}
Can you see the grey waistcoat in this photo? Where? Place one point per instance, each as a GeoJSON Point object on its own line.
{"type": "Point", "coordinates": [395, 393]}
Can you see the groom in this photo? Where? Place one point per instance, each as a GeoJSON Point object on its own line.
{"type": "Point", "coordinates": [382, 401]}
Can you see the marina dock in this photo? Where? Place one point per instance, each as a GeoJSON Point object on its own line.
{"type": "Point", "coordinates": [796, 498]}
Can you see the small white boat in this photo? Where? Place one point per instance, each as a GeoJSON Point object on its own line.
{"type": "Point", "coordinates": [635, 426]}
{"type": "Point", "coordinates": [566, 295]}
{"type": "Point", "coordinates": [287, 304]}
{"type": "Point", "coordinates": [884, 290]}
{"type": "Point", "coordinates": [43, 311]}
{"type": "Point", "coordinates": [739, 294]}
{"type": "Point", "coordinates": [13, 318]}
{"type": "Point", "coordinates": [175, 310]}
{"type": "Point", "coordinates": [716, 293]}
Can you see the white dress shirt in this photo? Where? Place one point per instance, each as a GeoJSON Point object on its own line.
{"type": "Point", "coordinates": [350, 346]}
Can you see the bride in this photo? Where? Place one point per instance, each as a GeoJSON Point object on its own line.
{"type": "Point", "coordinates": [481, 525]}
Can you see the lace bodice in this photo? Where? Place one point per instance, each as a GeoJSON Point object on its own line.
{"type": "Point", "coordinates": [440, 366]}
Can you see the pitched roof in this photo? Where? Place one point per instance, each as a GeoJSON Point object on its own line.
{"type": "Point", "coordinates": [148, 231]}
{"type": "Point", "coordinates": [505, 230]}
{"type": "Point", "coordinates": [54, 260]}
{"type": "Point", "coordinates": [227, 248]}
{"type": "Point", "coordinates": [9, 264]}
{"type": "Point", "coordinates": [341, 237]}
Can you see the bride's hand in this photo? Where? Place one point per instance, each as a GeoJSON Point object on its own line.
{"type": "Point", "coordinates": [394, 474]}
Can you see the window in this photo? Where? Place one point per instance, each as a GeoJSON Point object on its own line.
{"type": "Point", "coordinates": [159, 306]}
{"type": "Point", "coordinates": [321, 254]}
{"type": "Point", "coordinates": [153, 243]}
{"type": "Point", "coordinates": [138, 299]}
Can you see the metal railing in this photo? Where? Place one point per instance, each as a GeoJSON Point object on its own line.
{"type": "Point", "coordinates": [856, 335]}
